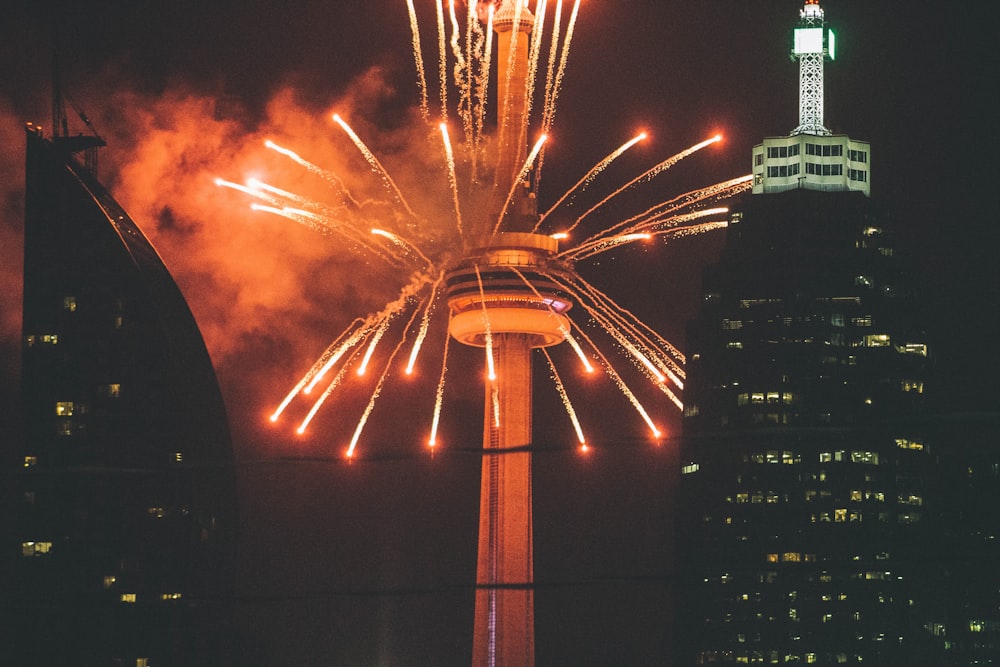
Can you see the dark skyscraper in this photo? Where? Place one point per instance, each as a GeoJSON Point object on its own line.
{"type": "Point", "coordinates": [124, 495]}
{"type": "Point", "coordinates": [810, 481]}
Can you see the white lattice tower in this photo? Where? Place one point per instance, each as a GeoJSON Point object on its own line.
{"type": "Point", "coordinates": [813, 44]}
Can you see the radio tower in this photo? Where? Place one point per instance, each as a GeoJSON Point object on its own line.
{"type": "Point", "coordinates": [812, 45]}
{"type": "Point", "coordinates": [503, 299]}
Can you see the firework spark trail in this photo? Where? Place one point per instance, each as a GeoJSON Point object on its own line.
{"type": "Point", "coordinates": [693, 230]}
{"type": "Point", "coordinates": [330, 351]}
{"type": "Point", "coordinates": [452, 178]}
{"type": "Point", "coordinates": [332, 360]}
{"type": "Point", "coordinates": [613, 374]}
{"type": "Point", "coordinates": [534, 50]}
{"type": "Point", "coordinates": [383, 326]}
{"type": "Point", "coordinates": [640, 357]}
{"type": "Point", "coordinates": [495, 396]}
{"type": "Point", "coordinates": [425, 322]}
{"type": "Point", "coordinates": [404, 244]}
{"type": "Point", "coordinates": [551, 67]}
{"type": "Point", "coordinates": [662, 212]}
{"type": "Point", "coordinates": [561, 388]}
{"type": "Point", "coordinates": [647, 175]}
{"type": "Point", "coordinates": [328, 224]}
{"type": "Point", "coordinates": [318, 403]}
{"type": "Point", "coordinates": [460, 73]}
{"type": "Point", "coordinates": [468, 124]}
{"type": "Point", "coordinates": [621, 324]}
{"type": "Point", "coordinates": [625, 319]}
{"type": "Point", "coordinates": [591, 175]}
{"type": "Point", "coordinates": [567, 336]}
{"type": "Point", "coordinates": [672, 396]}
{"type": "Point", "coordinates": [486, 328]}
{"type": "Point", "coordinates": [671, 223]}
{"type": "Point", "coordinates": [550, 103]}
{"type": "Point", "coordinates": [417, 282]}
{"type": "Point", "coordinates": [603, 244]}
{"type": "Point", "coordinates": [508, 72]}
{"type": "Point", "coordinates": [418, 59]}
{"type": "Point", "coordinates": [439, 394]}
{"type": "Point", "coordinates": [482, 85]}
{"type": "Point", "coordinates": [719, 191]}
{"type": "Point", "coordinates": [378, 387]}
{"type": "Point", "coordinates": [325, 174]}
{"type": "Point", "coordinates": [302, 217]}
{"type": "Point", "coordinates": [517, 181]}
{"type": "Point", "coordinates": [247, 190]}
{"type": "Point", "coordinates": [375, 164]}
{"type": "Point", "coordinates": [442, 60]}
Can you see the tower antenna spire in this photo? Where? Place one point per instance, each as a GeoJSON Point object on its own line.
{"type": "Point", "coordinates": [812, 45]}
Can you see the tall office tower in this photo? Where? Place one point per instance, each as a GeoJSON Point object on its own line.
{"type": "Point", "coordinates": [808, 472]}
{"type": "Point", "coordinates": [125, 517]}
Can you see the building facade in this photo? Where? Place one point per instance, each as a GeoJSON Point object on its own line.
{"type": "Point", "coordinates": [808, 469]}
{"type": "Point", "coordinates": [810, 481]}
{"type": "Point", "coordinates": [124, 490]}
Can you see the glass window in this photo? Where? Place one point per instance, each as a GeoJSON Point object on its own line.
{"type": "Point", "coordinates": [35, 548]}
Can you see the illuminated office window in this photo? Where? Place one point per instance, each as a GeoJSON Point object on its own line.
{"type": "Point", "coordinates": [113, 390]}
{"type": "Point", "coordinates": [35, 548]}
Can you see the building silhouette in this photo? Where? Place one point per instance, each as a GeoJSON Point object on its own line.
{"type": "Point", "coordinates": [811, 473]}
{"type": "Point", "coordinates": [123, 492]}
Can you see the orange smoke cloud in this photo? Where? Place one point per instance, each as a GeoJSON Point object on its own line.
{"type": "Point", "coordinates": [269, 294]}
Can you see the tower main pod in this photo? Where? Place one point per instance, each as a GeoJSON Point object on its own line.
{"type": "Point", "coordinates": [502, 298]}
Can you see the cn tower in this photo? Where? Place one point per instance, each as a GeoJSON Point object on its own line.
{"type": "Point", "coordinates": [503, 298]}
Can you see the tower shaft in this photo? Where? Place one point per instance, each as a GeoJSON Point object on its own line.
{"type": "Point", "coordinates": [513, 27]}
{"type": "Point", "coordinates": [504, 624]}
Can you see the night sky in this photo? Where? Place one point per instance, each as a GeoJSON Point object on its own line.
{"type": "Point", "coordinates": [373, 561]}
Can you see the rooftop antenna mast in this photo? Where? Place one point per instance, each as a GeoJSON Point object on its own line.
{"type": "Point", "coordinates": [88, 145]}
{"type": "Point", "coordinates": [812, 45]}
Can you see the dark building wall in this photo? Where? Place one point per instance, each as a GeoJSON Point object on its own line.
{"type": "Point", "coordinates": [125, 494]}
{"type": "Point", "coordinates": [808, 469]}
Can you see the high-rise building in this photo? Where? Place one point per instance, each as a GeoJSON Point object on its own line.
{"type": "Point", "coordinates": [125, 511]}
{"type": "Point", "coordinates": [809, 481]}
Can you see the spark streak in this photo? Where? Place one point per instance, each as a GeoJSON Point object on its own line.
{"type": "Point", "coordinates": [373, 161]}
{"type": "Point", "coordinates": [486, 327]}
{"type": "Point", "coordinates": [632, 398]}
{"type": "Point", "coordinates": [425, 322]}
{"type": "Point", "coordinates": [383, 325]}
{"type": "Point", "coordinates": [439, 394]}
{"type": "Point", "coordinates": [517, 181]}
{"type": "Point", "coordinates": [591, 175]}
{"type": "Point", "coordinates": [647, 175]}
{"type": "Point", "coordinates": [418, 59]}
{"type": "Point", "coordinates": [452, 179]}
{"type": "Point", "coordinates": [565, 399]}
{"type": "Point", "coordinates": [378, 390]}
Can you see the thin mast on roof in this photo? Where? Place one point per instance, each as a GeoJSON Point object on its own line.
{"type": "Point", "coordinates": [812, 45]}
